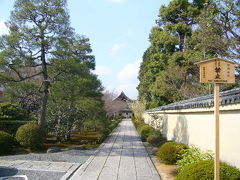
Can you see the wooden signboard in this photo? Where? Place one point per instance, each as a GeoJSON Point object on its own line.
{"type": "Point", "coordinates": [217, 70]}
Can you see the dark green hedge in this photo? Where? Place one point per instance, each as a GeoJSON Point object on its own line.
{"type": "Point", "coordinates": [6, 142]}
{"type": "Point", "coordinates": [144, 130]}
{"type": "Point", "coordinates": [204, 170]}
{"type": "Point", "coordinates": [156, 139]}
{"type": "Point", "coordinates": [11, 126]}
{"type": "Point", "coordinates": [31, 135]}
{"type": "Point", "coordinates": [9, 111]}
{"type": "Point", "coordinates": [171, 152]}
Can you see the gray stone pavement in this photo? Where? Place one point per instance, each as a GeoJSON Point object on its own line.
{"type": "Point", "coordinates": [121, 157]}
{"type": "Point", "coordinates": [36, 169]}
{"type": "Point", "coordinates": [53, 166]}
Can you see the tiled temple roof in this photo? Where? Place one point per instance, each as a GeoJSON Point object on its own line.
{"type": "Point", "coordinates": [122, 97]}
{"type": "Point", "coordinates": [226, 97]}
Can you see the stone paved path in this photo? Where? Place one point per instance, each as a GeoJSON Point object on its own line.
{"type": "Point", "coordinates": [39, 165]}
{"type": "Point", "coordinates": [63, 169]}
{"type": "Point", "coordinates": [121, 157]}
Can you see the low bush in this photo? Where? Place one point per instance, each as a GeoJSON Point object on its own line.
{"type": "Point", "coordinates": [156, 139]}
{"type": "Point", "coordinates": [114, 123]}
{"type": "Point", "coordinates": [145, 131]}
{"type": "Point", "coordinates": [6, 142]}
{"type": "Point", "coordinates": [107, 130]}
{"type": "Point", "coordinates": [193, 155]}
{"type": "Point", "coordinates": [136, 123]}
{"type": "Point", "coordinates": [31, 135]}
{"type": "Point", "coordinates": [11, 126]}
{"type": "Point", "coordinates": [204, 170]}
{"type": "Point", "coordinates": [171, 152]}
{"type": "Point", "coordinates": [10, 111]}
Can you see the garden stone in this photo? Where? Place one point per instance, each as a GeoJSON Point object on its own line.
{"type": "Point", "coordinates": [53, 149]}
{"type": "Point", "coordinates": [84, 141]}
{"type": "Point", "coordinates": [80, 147]}
{"type": "Point", "coordinates": [154, 151]}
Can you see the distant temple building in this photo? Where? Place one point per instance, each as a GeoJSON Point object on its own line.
{"type": "Point", "coordinates": [123, 106]}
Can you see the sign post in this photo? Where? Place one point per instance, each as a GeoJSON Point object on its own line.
{"type": "Point", "coordinates": [217, 71]}
{"type": "Point", "coordinates": [217, 146]}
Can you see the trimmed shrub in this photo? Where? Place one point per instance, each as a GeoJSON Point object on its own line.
{"type": "Point", "coordinates": [156, 139]}
{"type": "Point", "coordinates": [6, 142]}
{"type": "Point", "coordinates": [193, 155]}
{"type": "Point", "coordinates": [10, 111]}
{"type": "Point", "coordinates": [145, 131]}
{"type": "Point", "coordinates": [30, 135]}
{"type": "Point", "coordinates": [204, 170]}
{"type": "Point", "coordinates": [114, 124]}
{"type": "Point", "coordinates": [171, 152]}
{"type": "Point", "coordinates": [107, 130]}
{"type": "Point", "coordinates": [11, 126]}
{"type": "Point", "coordinates": [136, 122]}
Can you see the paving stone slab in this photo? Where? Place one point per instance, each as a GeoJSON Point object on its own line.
{"type": "Point", "coordinates": [38, 165]}
{"type": "Point", "coordinates": [121, 157]}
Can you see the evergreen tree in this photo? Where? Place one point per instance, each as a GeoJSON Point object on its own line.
{"type": "Point", "coordinates": [187, 32]}
{"type": "Point", "coordinates": [174, 28]}
{"type": "Point", "coordinates": [35, 28]}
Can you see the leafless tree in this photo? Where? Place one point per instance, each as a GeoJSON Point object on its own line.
{"type": "Point", "coordinates": [111, 105]}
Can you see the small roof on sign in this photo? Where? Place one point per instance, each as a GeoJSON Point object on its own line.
{"type": "Point", "coordinates": [213, 59]}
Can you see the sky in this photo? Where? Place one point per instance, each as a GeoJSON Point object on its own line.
{"type": "Point", "coordinates": [118, 32]}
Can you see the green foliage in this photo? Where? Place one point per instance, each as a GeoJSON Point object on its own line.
{"type": "Point", "coordinates": [10, 111]}
{"type": "Point", "coordinates": [204, 170]}
{"type": "Point", "coordinates": [186, 32]}
{"type": "Point", "coordinates": [31, 135]}
{"type": "Point", "coordinates": [43, 53]}
{"type": "Point", "coordinates": [135, 122]}
{"type": "Point", "coordinates": [75, 100]}
{"type": "Point", "coordinates": [25, 94]}
{"type": "Point", "coordinates": [156, 139]}
{"type": "Point", "coordinates": [114, 123]}
{"type": "Point", "coordinates": [138, 109]}
{"type": "Point", "coordinates": [6, 142]}
{"type": "Point", "coordinates": [193, 155]}
{"type": "Point", "coordinates": [145, 130]}
{"type": "Point", "coordinates": [11, 126]}
{"type": "Point", "coordinates": [109, 128]}
{"type": "Point", "coordinates": [35, 29]}
{"type": "Point", "coordinates": [171, 152]}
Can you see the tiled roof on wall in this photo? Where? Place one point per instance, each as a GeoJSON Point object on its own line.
{"type": "Point", "coordinates": [226, 97]}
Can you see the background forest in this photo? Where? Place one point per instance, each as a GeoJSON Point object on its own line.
{"type": "Point", "coordinates": [46, 69]}
{"type": "Point", "coordinates": [187, 32]}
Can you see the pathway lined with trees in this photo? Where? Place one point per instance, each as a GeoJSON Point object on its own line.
{"type": "Point", "coordinates": [122, 156]}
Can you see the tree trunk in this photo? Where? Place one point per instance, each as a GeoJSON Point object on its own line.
{"type": "Point", "coordinates": [181, 42]}
{"type": "Point", "coordinates": [68, 133]}
{"type": "Point", "coordinates": [42, 119]}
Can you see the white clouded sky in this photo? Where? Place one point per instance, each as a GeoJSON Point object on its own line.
{"type": "Point", "coordinates": [3, 27]}
{"type": "Point", "coordinates": [127, 78]}
{"type": "Point", "coordinates": [103, 70]}
{"type": "Point", "coordinates": [116, 1]}
{"type": "Point", "coordinates": [118, 31]}
{"type": "Point", "coordinates": [115, 49]}
{"type": "Point", "coordinates": [129, 72]}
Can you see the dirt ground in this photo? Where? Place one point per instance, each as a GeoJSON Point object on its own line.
{"type": "Point", "coordinates": [167, 172]}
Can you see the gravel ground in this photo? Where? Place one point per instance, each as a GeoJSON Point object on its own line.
{"type": "Point", "coordinates": [74, 156]}
{"type": "Point", "coordinates": [71, 156]}
{"type": "Point", "coordinates": [31, 175]}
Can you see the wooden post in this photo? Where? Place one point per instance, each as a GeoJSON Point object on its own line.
{"type": "Point", "coordinates": [217, 71]}
{"type": "Point", "coordinates": [217, 141]}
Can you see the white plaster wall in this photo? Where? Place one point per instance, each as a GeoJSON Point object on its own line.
{"type": "Point", "coordinates": [196, 126]}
